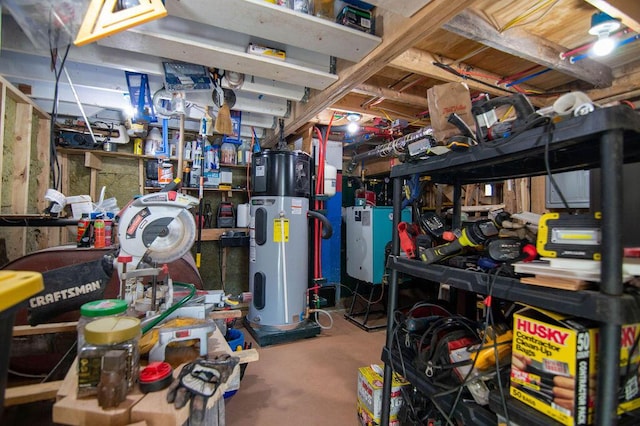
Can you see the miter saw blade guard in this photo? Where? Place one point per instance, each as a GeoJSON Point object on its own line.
{"type": "Point", "coordinates": [153, 230]}
{"type": "Point", "coordinates": [157, 228]}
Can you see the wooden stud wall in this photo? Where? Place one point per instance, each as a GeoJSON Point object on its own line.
{"type": "Point", "coordinates": [24, 167]}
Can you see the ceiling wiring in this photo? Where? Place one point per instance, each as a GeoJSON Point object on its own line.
{"type": "Point", "coordinates": [528, 77]}
{"type": "Point", "coordinates": [521, 19]}
{"type": "Point", "coordinates": [512, 77]}
{"type": "Point", "coordinates": [469, 55]}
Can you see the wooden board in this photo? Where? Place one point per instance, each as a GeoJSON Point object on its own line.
{"type": "Point", "coordinates": [58, 327]}
{"type": "Point", "coordinates": [405, 8]}
{"type": "Point", "coordinates": [157, 412]}
{"type": "Point", "coordinates": [151, 408]}
{"type": "Point", "coordinates": [18, 395]}
{"type": "Point", "coordinates": [24, 167]}
{"type": "Point", "coordinates": [556, 282]}
{"type": "Point", "coordinates": [73, 411]}
{"type": "Point", "coordinates": [261, 19]}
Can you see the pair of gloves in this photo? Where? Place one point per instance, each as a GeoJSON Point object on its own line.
{"type": "Point", "coordinates": [198, 381]}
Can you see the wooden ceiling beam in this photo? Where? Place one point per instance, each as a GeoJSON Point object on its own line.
{"type": "Point", "coordinates": [391, 95]}
{"type": "Point", "coordinates": [399, 35]}
{"type": "Point", "coordinates": [522, 44]}
{"type": "Point", "coordinates": [423, 63]}
{"type": "Point", "coordinates": [628, 11]}
{"type": "Point", "coordinates": [353, 103]}
{"type": "Point", "coordinates": [624, 87]}
{"type": "Point", "coordinates": [404, 7]}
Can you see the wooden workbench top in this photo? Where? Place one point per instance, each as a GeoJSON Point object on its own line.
{"type": "Point", "coordinates": [151, 408]}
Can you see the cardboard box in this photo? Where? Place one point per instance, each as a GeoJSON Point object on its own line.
{"type": "Point", "coordinates": [270, 52]}
{"type": "Point", "coordinates": [443, 100]}
{"type": "Point", "coordinates": [212, 179]}
{"type": "Point", "coordinates": [554, 364]}
{"type": "Point", "coordinates": [366, 419]}
{"type": "Point", "coordinates": [370, 382]}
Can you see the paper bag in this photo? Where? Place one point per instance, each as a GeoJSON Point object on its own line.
{"type": "Point", "coordinates": [443, 100]}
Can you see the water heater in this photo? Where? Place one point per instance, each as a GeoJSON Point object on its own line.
{"type": "Point", "coordinates": [279, 239]}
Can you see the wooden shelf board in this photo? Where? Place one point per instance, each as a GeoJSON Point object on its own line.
{"type": "Point", "coordinates": [184, 47]}
{"type": "Point", "coordinates": [262, 19]}
{"type": "Point", "coordinates": [213, 234]}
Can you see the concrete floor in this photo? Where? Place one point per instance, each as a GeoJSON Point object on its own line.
{"type": "Point", "coordinates": [311, 381]}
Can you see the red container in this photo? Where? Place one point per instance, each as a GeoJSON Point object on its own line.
{"type": "Point", "coordinates": [368, 196]}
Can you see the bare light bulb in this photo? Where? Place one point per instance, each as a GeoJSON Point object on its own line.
{"type": "Point", "coordinates": [353, 127]}
{"type": "Point", "coordinates": [603, 46]}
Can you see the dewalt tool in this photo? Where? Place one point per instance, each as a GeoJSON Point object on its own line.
{"type": "Point", "coordinates": [473, 235]}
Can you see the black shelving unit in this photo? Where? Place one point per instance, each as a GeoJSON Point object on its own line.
{"type": "Point", "coordinates": [590, 304]}
{"type": "Point", "coordinates": [606, 138]}
{"type": "Point", "coordinates": [467, 412]}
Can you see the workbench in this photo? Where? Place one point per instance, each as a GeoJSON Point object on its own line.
{"type": "Point", "coordinates": [150, 409]}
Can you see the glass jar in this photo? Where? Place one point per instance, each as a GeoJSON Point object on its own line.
{"type": "Point", "coordinates": [324, 9]}
{"type": "Point", "coordinates": [91, 311]}
{"type": "Point", "coordinates": [104, 335]}
{"type": "Point", "coordinates": [302, 6]}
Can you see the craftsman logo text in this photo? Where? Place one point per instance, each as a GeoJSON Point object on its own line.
{"type": "Point", "coordinates": [67, 293]}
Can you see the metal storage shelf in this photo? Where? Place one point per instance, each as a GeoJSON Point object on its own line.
{"type": "Point", "coordinates": [605, 138]}
{"type": "Point", "coordinates": [589, 304]}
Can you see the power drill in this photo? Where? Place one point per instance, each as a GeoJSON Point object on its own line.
{"type": "Point", "coordinates": [473, 235]}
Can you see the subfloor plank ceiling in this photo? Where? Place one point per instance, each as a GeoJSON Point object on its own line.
{"type": "Point", "coordinates": [495, 47]}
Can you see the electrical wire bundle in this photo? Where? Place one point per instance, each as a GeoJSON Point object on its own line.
{"type": "Point", "coordinates": [428, 352]}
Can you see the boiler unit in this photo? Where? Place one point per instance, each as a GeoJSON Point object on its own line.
{"type": "Point", "coordinates": [279, 241]}
{"type": "Point", "coordinates": [368, 232]}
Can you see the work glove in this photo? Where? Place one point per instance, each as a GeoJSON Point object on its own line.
{"type": "Point", "coordinates": [198, 381]}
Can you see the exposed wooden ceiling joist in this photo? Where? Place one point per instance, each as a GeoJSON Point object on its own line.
{"type": "Point", "coordinates": [398, 38]}
{"type": "Point", "coordinates": [522, 44]}
{"type": "Point", "coordinates": [623, 87]}
{"type": "Point", "coordinates": [404, 7]}
{"type": "Point", "coordinates": [392, 95]}
{"type": "Point", "coordinates": [421, 62]}
{"type": "Point", "coordinates": [627, 10]}
{"type": "Point", "coordinates": [353, 103]}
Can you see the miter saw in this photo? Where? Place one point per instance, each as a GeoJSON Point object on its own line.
{"type": "Point", "coordinates": [157, 229]}
{"type": "Point", "coordinates": [153, 230]}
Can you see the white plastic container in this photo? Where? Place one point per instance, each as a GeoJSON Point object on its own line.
{"type": "Point", "coordinates": [330, 184]}
{"type": "Point", "coordinates": [243, 215]}
{"type": "Point", "coordinates": [153, 143]}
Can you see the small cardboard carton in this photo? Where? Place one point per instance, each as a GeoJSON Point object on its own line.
{"type": "Point", "coordinates": [554, 360]}
{"type": "Point", "coordinates": [370, 382]}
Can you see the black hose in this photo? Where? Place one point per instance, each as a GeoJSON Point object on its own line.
{"type": "Point", "coordinates": [327, 229]}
